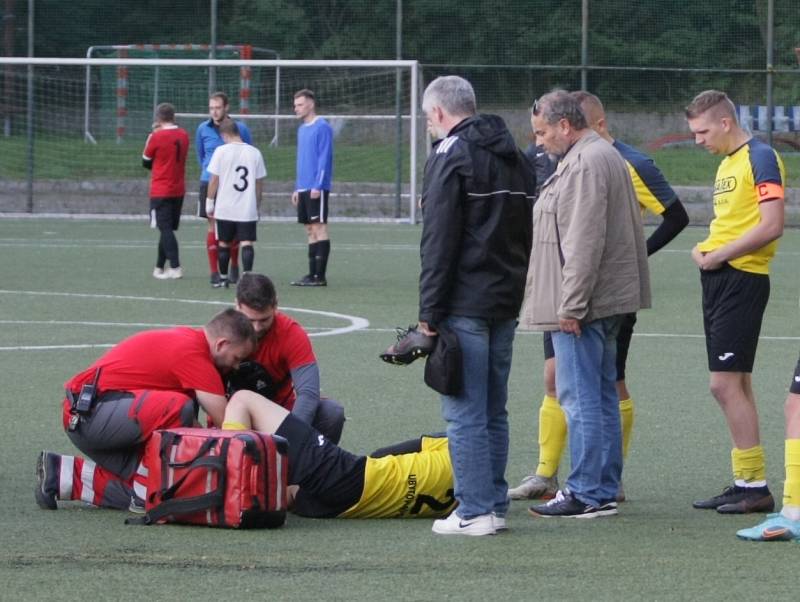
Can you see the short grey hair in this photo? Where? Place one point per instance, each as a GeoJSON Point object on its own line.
{"type": "Point", "coordinates": [453, 94]}
{"type": "Point", "coordinates": [560, 104]}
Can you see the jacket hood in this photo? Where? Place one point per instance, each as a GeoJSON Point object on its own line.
{"type": "Point", "coordinates": [488, 132]}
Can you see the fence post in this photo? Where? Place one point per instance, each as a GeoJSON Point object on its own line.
{"type": "Point", "coordinates": [30, 108]}
{"type": "Point", "coordinates": [770, 66]}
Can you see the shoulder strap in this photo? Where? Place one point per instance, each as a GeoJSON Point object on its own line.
{"type": "Point", "coordinates": [197, 503]}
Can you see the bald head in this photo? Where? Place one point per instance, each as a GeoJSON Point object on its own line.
{"type": "Point", "coordinates": [594, 112]}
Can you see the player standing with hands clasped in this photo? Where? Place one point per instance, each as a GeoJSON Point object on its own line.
{"type": "Point", "coordinates": [165, 155]}
{"type": "Point", "coordinates": [313, 185]}
{"type": "Point", "coordinates": [234, 193]}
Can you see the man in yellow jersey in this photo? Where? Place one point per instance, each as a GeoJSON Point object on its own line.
{"type": "Point", "coordinates": [656, 196]}
{"type": "Point", "coordinates": [408, 480]}
{"type": "Point", "coordinates": [734, 273]}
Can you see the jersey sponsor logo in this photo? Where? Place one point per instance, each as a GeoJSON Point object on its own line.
{"type": "Point", "coordinates": [726, 356]}
{"type": "Point", "coordinates": [411, 493]}
{"type": "Point", "coordinates": [725, 185]}
{"type": "Point", "coordinates": [446, 144]}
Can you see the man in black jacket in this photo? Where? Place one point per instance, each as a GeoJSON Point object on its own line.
{"type": "Point", "coordinates": [476, 240]}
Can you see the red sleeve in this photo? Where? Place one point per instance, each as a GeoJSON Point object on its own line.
{"type": "Point", "coordinates": [150, 147]}
{"type": "Point", "coordinates": [296, 347]}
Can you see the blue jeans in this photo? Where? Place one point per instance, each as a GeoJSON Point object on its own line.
{"type": "Point", "coordinates": [477, 420]}
{"type": "Point", "coordinates": [585, 380]}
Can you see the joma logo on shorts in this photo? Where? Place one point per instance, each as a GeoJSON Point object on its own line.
{"type": "Point", "coordinates": [725, 185]}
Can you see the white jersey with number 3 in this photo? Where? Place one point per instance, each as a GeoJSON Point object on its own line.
{"type": "Point", "coordinates": [238, 166]}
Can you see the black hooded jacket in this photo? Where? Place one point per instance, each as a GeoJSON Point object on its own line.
{"type": "Point", "coordinates": [477, 201]}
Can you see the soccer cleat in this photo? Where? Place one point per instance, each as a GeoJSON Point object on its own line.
{"type": "Point", "coordinates": [216, 281]}
{"type": "Point", "coordinates": [159, 273]}
{"type": "Point", "coordinates": [410, 345]}
{"type": "Point", "coordinates": [776, 528]}
{"type": "Point", "coordinates": [47, 471]}
{"type": "Point", "coordinates": [223, 282]}
{"type": "Point", "coordinates": [306, 280]}
{"type": "Point", "coordinates": [565, 505]}
{"type": "Point", "coordinates": [174, 273]}
{"type": "Point", "coordinates": [535, 487]}
{"type": "Point", "coordinates": [455, 525]}
{"type": "Point", "coordinates": [309, 280]}
{"type": "Point", "coordinates": [499, 522]}
{"type": "Point", "coordinates": [739, 500]}
{"type": "Point", "coordinates": [233, 275]}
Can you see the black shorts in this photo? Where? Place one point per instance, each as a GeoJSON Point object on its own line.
{"type": "Point", "coordinates": [795, 386]}
{"type": "Point", "coordinates": [623, 343]}
{"type": "Point", "coordinates": [165, 212]}
{"type": "Point", "coordinates": [201, 200]}
{"type": "Point", "coordinates": [312, 211]}
{"type": "Point", "coordinates": [331, 480]}
{"type": "Point", "coordinates": [733, 307]}
{"type": "Point", "coordinates": [228, 231]}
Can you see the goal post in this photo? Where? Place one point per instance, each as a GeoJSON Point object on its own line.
{"type": "Point", "coordinates": [378, 132]}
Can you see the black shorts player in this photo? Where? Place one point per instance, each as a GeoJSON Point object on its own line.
{"type": "Point", "coordinates": [733, 307]}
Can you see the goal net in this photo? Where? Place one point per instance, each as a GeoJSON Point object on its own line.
{"type": "Point", "coordinates": [74, 129]}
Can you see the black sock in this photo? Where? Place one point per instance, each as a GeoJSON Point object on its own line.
{"type": "Point", "coordinates": [312, 258]}
{"type": "Point", "coordinates": [248, 256]}
{"type": "Point", "coordinates": [170, 244]}
{"type": "Point", "coordinates": [224, 256]}
{"type": "Point", "coordinates": [321, 260]}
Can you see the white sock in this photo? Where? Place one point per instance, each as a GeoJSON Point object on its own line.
{"type": "Point", "coordinates": [791, 512]}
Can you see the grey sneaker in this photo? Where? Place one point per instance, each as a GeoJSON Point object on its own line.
{"type": "Point", "coordinates": [535, 487]}
{"type": "Point", "coordinates": [137, 505]}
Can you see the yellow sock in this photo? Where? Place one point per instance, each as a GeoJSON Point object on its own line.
{"type": "Point", "coordinates": [626, 417]}
{"type": "Point", "coordinates": [234, 426]}
{"type": "Point", "coordinates": [552, 436]}
{"type": "Point", "coordinates": [749, 464]}
{"type": "Point", "coordinates": [791, 486]}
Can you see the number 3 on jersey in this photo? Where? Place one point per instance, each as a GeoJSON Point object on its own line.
{"type": "Point", "coordinates": [243, 173]}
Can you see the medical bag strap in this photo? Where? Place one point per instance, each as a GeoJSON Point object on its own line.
{"type": "Point", "coordinates": [197, 503]}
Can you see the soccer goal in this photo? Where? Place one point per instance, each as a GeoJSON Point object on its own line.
{"type": "Point", "coordinates": [75, 128]}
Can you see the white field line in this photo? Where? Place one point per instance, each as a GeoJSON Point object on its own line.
{"type": "Point", "coordinates": [355, 322]}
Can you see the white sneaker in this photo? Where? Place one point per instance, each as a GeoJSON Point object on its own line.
{"type": "Point", "coordinates": [535, 487]}
{"type": "Point", "coordinates": [455, 525]}
{"type": "Point", "coordinates": [499, 522]}
{"type": "Point", "coordinates": [174, 273]}
{"type": "Point", "coordinates": [160, 274]}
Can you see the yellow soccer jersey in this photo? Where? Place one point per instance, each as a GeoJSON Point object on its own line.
{"type": "Point", "coordinates": [410, 485]}
{"type": "Point", "coordinates": [752, 174]}
{"type": "Point", "coordinates": [652, 189]}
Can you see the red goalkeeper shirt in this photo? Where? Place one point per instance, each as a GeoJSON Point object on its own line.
{"type": "Point", "coordinates": [167, 148]}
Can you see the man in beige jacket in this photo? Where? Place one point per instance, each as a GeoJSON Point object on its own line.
{"type": "Point", "coordinates": [588, 268]}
